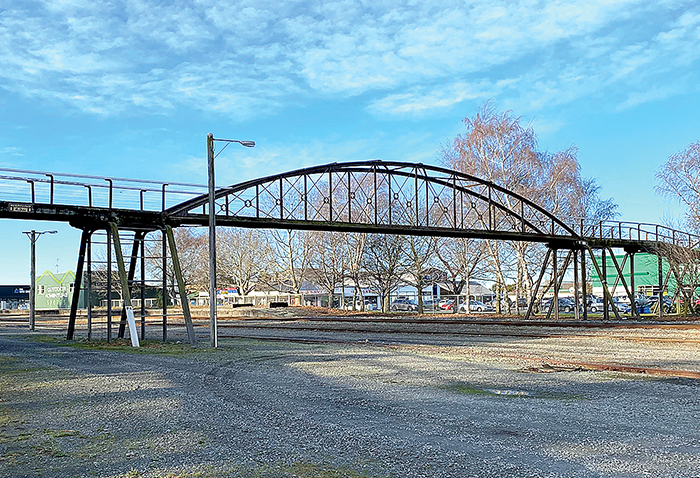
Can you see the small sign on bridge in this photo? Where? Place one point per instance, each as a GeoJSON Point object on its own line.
{"type": "Point", "coordinates": [19, 207]}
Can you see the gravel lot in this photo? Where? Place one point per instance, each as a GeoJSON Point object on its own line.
{"type": "Point", "coordinates": [277, 409]}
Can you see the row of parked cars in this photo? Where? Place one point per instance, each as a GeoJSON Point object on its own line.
{"type": "Point", "coordinates": [566, 305]}
{"type": "Point", "coordinates": [411, 305]}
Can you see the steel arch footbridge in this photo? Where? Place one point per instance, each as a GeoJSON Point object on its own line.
{"type": "Point", "coordinates": [365, 196]}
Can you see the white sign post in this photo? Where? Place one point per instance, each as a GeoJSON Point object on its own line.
{"type": "Point", "coordinates": [132, 326]}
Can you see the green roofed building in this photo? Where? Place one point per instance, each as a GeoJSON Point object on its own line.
{"type": "Point", "coordinates": [646, 274]}
{"type": "Point", "coordinates": [56, 291]}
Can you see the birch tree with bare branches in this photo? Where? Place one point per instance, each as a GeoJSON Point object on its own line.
{"type": "Point", "coordinates": [384, 264]}
{"type": "Point", "coordinates": [679, 178]}
{"type": "Point", "coordinates": [244, 258]}
{"type": "Point", "coordinates": [496, 147]}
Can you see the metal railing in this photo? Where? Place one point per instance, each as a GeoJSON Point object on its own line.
{"type": "Point", "coordinates": [18, 185]}
{"type": "Point", "coordinates": [36, 187]}
{"type": "Point", "coordinates": [636, 231]}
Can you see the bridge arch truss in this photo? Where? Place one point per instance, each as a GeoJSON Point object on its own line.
{"type": "Point", "coordinates": [380, 196]}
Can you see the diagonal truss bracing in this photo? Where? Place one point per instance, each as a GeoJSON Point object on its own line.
{"type": "Point", "coordinates": [380, 196]}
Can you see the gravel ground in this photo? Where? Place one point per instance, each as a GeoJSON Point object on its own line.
{"type": "Point", "coordinates": [277, 409]}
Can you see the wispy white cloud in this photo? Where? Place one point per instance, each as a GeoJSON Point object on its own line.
{"type": "Point", "coordinates": [11, 151]}
{"type": "Point", "coordinates": [247, 58]}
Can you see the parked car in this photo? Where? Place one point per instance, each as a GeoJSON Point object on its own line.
{"type": "Point", "coordinates": [565, 305]}
{"type": "Point", "coordinates": [476, 306]}
{"type": "Point", "coordinates": [370, 305]}
{"type": "Point", "coordinates": [446, 304]}
{"type": "Point", "coordinates": [668, 304]}
{"type": "Point", "coordinates": [598, 306]}
{"type": "Point", "coordinates": [404, 304]}
{"type": "Point", "coordinates": [430, 304]}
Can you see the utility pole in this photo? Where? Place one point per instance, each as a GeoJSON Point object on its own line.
{"type": "Point", "coordinates": [33, 237]}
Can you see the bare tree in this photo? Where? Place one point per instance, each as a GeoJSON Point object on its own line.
{"type": "Point", "coordinates": [192, 248]}
{"type": "Point", "coordinates": [679, 178]}
{"type": "Point", "coordinates": [384, 263]}
{"type": "Point", "coordinates": [496, 147]}
{"type": "Point", "coordinates": [420, 252]}
{"type": "Point", "coordinates": [460, 258]}
{"type": "Point", "coordinates": [355, 248]}
{"type": "Point", "coordinates": [326, 261]}
{"type": "Point", "coordinates": [244, 257]}
{"type": "Point", "coordinates": [292, 251]}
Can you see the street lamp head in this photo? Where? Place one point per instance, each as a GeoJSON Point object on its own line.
{"type": "Point", "coordinates": [248, 144]}
{"type": "Point", "coordinates": [38, 233]}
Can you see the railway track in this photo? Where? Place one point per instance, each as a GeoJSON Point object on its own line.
{"type": "Point", "coordinates": [472, 333]}
{"type": "Point", "coordinates": [665, 349]}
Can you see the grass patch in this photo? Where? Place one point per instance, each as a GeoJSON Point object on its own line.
{"type": "Point", "coordinates": [97, 446]}
{"type": "Point", "coordinates": [49, 448]}
{"type": "Point", "coordinates": [152, 347]}
{"type": "Point", "coordinates": [15, 366]}
{"type": "Point", "coordinates": [61, 433]}
{"type": "Point", "coordinates": [468, 389]}
{"type": "Point", "coordinates": [9, 417]}
{"type": "Point", "coordinates": [312, 470]}
{"type": "Point", "coordinates": [295, 470]}
{"type": "Point", "coordinates": [464, 389]}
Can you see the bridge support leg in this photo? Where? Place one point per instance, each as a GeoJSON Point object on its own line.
{"type": "Point", "coordinates": [130, 279]}
{"type": "Point", "coordinates": [557, 279]}
{"type": "Point", "coordinates": [555, 271]}
{"type": "Point", "coordinates": [181, 286]}
{"type": "Point", "coordinates": [584, 292]}
{"type": "Point", "coordinates": [109, 286]}
{"type": "Point", "coordinates": [88, 295]}
{"type": "Point", "coordinates": [165, 286]}
{"type": "Point", "coordinates": [604, 281]}
{"type": "Point", "coordinates": [607, 296]}
{"type": "Point", "coordinates": [633, 298]}
{"type": "Point", "coordinates": [576, 293]}
{"type": "Point", "coordinates": [535, 291]}
{"type": "Point", "coordinates": [126, 295]}
{"type": "Point", "coordinates": [621, 276]}
{"type": "Point", "coordinates": [84, 238]}
{"type": "Point", "coordinates": [661, 284]}
{"type": "Point", "coordinates": [143, 286]}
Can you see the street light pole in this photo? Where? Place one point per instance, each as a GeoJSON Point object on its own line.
{"type": "Point", "coordinates": [33, 237]}
{"type": "Point", "coordinates": [212, 230]}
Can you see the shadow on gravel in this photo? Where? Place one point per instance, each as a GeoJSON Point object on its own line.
{"type": "Point", "coordinates": [261, 409]}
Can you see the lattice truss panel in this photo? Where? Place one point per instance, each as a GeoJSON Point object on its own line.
{"type": "Point", "coordinates": [386, 194]}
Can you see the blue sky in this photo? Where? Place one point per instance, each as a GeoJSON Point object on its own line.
{"type": "Point", "coordinates": [131, 88]}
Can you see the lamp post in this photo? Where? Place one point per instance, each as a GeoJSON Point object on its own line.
{"type": "Point", "coordinates": [212, 229]}
{"type": "Point", "coordinates": [33, 237]}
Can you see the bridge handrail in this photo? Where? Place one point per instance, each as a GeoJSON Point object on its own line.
{"type": "Point", "coordinates": [585, 227]}
{"type": "Point", "coordinates": [87, 176]}
{"type": "Point", "coordinates": [640, 231]}
{"type": "Point", "coordinates": [77, 192]}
